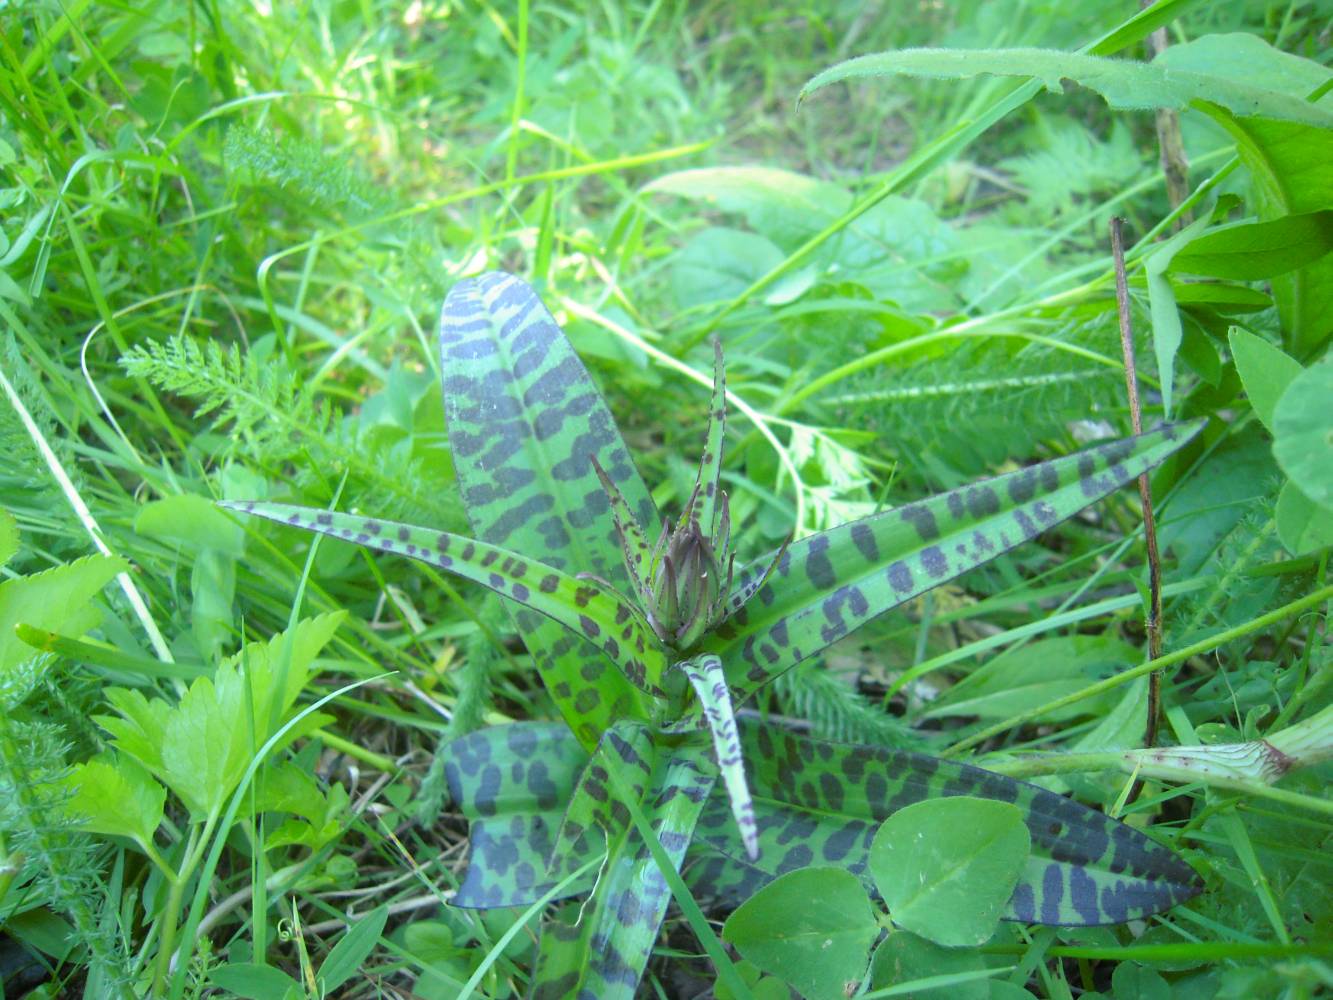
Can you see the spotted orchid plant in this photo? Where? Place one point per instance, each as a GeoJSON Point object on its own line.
{"type": "Point", "coordinates": [646, 650]}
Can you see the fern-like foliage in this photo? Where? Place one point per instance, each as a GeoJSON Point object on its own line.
{"type": "Point", "coordinates": [25, 484]}
{"type": "Point", "coordinates": [835, 711]}
{"type": "Point", "coordinates": [326, 183]}
{"type": "Point", "coordinates": [62, 865]}
{"type": "Point", "coordinates": [958, 411]}
{"type": "Point", "coordinates": [273, 418]}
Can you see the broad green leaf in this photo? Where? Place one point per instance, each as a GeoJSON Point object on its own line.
{"type": "Point", "coordinates": [710, 687]}
{"type": "Point", "coordinates": [947, 867]}
{"type": "Point", "coordinates": [200, 747]}
{"type": "Point", "coordinates": [347, 956]}
{"type": "Point", "coordinates": [117, 797]}
{"type": "Point", "coordinates": [821, 803]}
{"type": "Point", "coordinates": [904, 957]}
{"type": "Point", "coordinates": [56, 600]}
{"type": "Point", "coordinates": [191, 521]}
{"type": "Point", "coordinates": [718, 264]}
{"type": "Point", "coordinates": [1302, 525]}
{"type": "Point", "coordinates": [1265, 372]}
{"type": "Point", "coordinates": [812, 928]}
{"type": "Point", "coordinates": [584, 607]}
{"type": "Point", "coordinates": [604, 953]}
{"type": "Point", "coordinates": [1288, 165]}
{"type": "Point", "coordinates": [513, 783]}
{"type": "Point", "coordinates": [1035, 673]}
{"type": "Point", "coordinates": [1249, 251]}
{"type": "Point", "coordinates": [9, 536]}
{"type": "Point", "coordinates": [525, 422]}
{"type": "Point", "coordinates": [254, 982]}
{"type": "Point", "coordinates": [1303, 432]}
{"type": "Point", "coordinates": [1124, 84]}
{"type": "Point", "coordinates": [829, 584]}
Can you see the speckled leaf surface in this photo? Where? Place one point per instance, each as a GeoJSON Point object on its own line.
{"type": "Point", "coordinates": [821, 803]}
{"type": "Point", "coordinates": [595, 817]}
{"type": "Point", "coordinates": [513, 783]}
{"type": "Point", "coordinates": [582, 606]}
{"type": "Point", "coordinates": [602, 956]}
{"type": "Point", "coordinates": [828, 585]}
{"type": "Point", "coordinates": [710, 687]}
{"type": "Point", "coordinates": [525, 421]}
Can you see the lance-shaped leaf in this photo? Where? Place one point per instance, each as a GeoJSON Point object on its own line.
{"type": "Point", "coordinates": [604, 953]}
{"type": "Point", "coordinates": [512, 782]}
{"type": "Point", "coordinates": [710, 687]}
{"type": "Point", "coordinates": [821, 803]}
{"type": "Point", "coordinates": [584, 607]}
{"type": "Point", "coordinates": [831, 583]}
{"type": "Point", "coordinates": [524, 422]}
{"type": "Point", "coordinates": [638, 554]}
{"type": "Point", "coordinates": [709, 506]}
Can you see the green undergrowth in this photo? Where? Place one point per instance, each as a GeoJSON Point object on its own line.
{"type": "Point", "coordinates": [226, 233]}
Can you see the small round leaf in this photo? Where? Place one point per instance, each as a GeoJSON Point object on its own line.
{"type": "Point", "coordinates": [812, 928]}
{"type": "Point", "coordinates": [947, 867]}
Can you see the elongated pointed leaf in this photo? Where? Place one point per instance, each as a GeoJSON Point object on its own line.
{"type": "Point", "coordinates": [710, 686]}
{"type": "Point", "coordinates": [634, 545]}
{"type": "Point", "coordinates": [829, 584]}
{"type": "Point", "coordinates": [709, 480]}
{"type": "Point", "coordinates": [512, 782]}
{"type": "Point", "coordinates": [603, 955]}
{"type": "Point", "coordinates": [586, 609]}
{"type": "Point", "coordinates": [821, 803]}
{"type": "Point", "coordinates": [524, 422]}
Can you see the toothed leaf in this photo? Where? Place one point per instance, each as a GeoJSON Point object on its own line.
{"type": "Point", "coordinates": [829, 584]}
{"type": "Point", "coordinates": [524, 422]}
{"type": "Point", "coordinates": [586, 609]}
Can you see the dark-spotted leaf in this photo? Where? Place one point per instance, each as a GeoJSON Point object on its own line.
{"type": "Point", "coordinates": [947, 867]}
{"type": "Point", "coordinates": [602, 949]}
{"type": "Point", "coordinates": [1303, 432]}
{"type": "Point", "coordinates": [812, 928]}
{"type": "Point", "coordinates": [1265, 371]}
{"type": "Point", "coordinates": [827, 585]}
{"type": "Point", "coordinates": [584, 607]}
{"type": "Point", "coordinates": [513, 783]}
{"type": "Point", "coordinates": [822, 803]}
{"type": "Point", "coordinates": [525, 422]}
